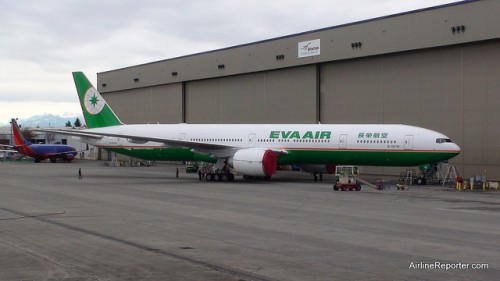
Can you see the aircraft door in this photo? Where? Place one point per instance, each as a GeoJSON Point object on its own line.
{"type": "Point", "coordinates": [408, 142]}
{"type": "Point", "coordinates": [343, 141]}
{"type": "Point", "coordinates": [251, 140]}
{"type": "Point", "coordinates": [182, 136]}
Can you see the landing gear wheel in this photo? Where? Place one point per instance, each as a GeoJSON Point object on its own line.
{"type": "Point", "coordinates": [218, 177]}
{"type": "Point", "coordinates": [209, 177]}
{"type": "Point", "coordinates": [421, 181]}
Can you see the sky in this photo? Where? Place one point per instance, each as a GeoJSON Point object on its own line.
{"type": "Point", "coordinates": [42, 42]}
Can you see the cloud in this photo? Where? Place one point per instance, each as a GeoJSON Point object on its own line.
{"type": "Point", "coordinates": [42, 42]}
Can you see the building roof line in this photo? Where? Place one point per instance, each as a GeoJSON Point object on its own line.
{"type": "Point", "coordinates": [302, 33]}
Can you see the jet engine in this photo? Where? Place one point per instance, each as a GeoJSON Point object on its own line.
{"type": "Point", "coordinates": [255, 162]}
{"type": "Point", "coordinates": [69, 157]}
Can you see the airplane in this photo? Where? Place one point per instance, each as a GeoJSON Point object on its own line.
{"type": "Point", "coordinates": [256, 150]}
{"type": "Point", "coordinates": [40, 152]}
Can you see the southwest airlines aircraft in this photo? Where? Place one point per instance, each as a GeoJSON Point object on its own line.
{"type": "Point", "coordinates": [257, 149]}
{"type": "Point", "coordinates": [41, 151]}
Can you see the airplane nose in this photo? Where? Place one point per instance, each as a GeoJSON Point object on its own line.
{"type": "Point", "coordinates": [455, 147]}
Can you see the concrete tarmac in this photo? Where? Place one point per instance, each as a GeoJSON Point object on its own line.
{"type": "Point", "coordinates": [123, 223]}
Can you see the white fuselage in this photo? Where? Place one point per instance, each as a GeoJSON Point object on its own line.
{"type": "Point", "coordinates": [279, 137]}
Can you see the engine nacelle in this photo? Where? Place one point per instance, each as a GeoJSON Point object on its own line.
{"type": "Point", "coordinates": [255, 162]}
{"type": "Point", "coordinates": [69, 157]}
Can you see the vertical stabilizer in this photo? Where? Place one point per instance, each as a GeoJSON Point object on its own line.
{"type": "Point", "coordinates": [18, 137]}
{"type": "Point", "coordinates": [96, 111]}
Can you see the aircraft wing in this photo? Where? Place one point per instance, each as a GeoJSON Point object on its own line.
{"type": "Point", "coordinates": [7, 148]}
{"type": "Point", "coordinates": [203, 148]}
{"type": "Point", "coordinates": [217, 150]}
{"type": "Point", "coordinates": [168, 142]}
{"type": "Point", "coordinates": [76, 133]}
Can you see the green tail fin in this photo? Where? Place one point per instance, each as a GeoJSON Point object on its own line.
{"type": "Point", "coordinates": [96, 111]}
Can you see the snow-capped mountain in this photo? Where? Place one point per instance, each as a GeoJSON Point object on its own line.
{"type": "Point", "coordinates": [48, 120]}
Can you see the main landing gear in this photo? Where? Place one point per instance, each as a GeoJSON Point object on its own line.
{"type": "Point", "coordinates": [218, 172]}
{"type": "Point", "coordinates": [219, 176]}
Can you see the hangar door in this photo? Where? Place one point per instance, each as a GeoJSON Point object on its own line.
{"type": "Point", "coordinates": [282, 96]}
{"type": "Point", "coordinates": [157, 104]}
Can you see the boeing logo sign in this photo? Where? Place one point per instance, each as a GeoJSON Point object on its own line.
{"type": "Point", "coordinates": [309, 48]}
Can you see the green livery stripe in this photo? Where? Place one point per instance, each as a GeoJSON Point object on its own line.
{"type": "Point", "coordinates": [365, 157]}
{"type": "Point", "coordinates": [305, 156]}
{"type": "Point", "coordinates": [163, 154]}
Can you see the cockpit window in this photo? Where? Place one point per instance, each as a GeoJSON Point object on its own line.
{"type": "Point", "coordinates": [442, 140]}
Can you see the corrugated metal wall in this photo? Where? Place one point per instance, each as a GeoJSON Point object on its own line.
{"type": "Point", "coordinates": [436, 79]}
{"type": "Point", "coordinates": [161, 104]}
{"type": "Point", "coordinates": [281, 96]}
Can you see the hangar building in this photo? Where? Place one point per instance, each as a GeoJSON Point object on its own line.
{"type": "Point", "coordinates": [437, 68]}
